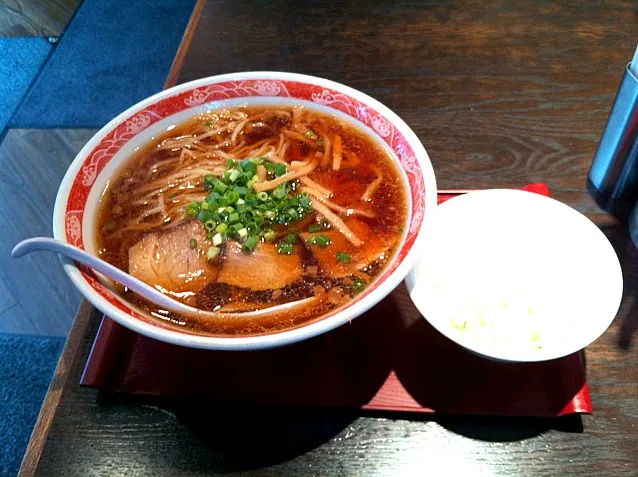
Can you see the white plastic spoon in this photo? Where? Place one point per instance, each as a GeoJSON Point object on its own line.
{"type": "Point", "coordinates": [144, 290]}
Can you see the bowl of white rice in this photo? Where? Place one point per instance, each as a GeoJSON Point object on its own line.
{"type": "Point", "coordinates": [516, 276]}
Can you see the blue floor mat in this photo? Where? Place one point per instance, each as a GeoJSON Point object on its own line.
{"type": "Point", "coordinates": [20, 61]}
{"type": "Point", "coordinates": [113, 54]}
{"type": "Point", "coordinates": [26, 368]}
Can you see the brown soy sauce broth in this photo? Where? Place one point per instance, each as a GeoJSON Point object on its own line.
{"type": "Point", "coordinates": [129, 209]}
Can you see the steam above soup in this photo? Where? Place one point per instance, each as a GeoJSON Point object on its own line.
{"type": "Point", "coordinates": [240, 211]}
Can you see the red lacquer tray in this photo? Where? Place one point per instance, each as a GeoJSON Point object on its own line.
{"type": "Point", "coordinates": [389, 359]}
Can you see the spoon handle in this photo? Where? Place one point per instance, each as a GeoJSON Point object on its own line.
{"type": "Point", "coordinates": [138, 286]}
{"type": "Point", "coordinates": [79, 255]}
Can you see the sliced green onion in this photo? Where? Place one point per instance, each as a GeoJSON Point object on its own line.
{"type": "Point", "coordinates": [322, 240]}
{"type": "Point", "coordinates": [314, 228]}
{"type": "Point", "coordinates": [212, 198]}
{"type": "Point", "coordinates": [293, 214]}
{"type": "Point", "coordinates": [280, 191]}
{"type": "Point", "coordinates": [285, 248]}
{"type": "Point", "coordinates": [358, 284]}
{"type": "Point", "coordinates": [219, 187]}
{"type": "Point", "coordinates": [250, 243]}
{"type": "Point", "coordinates": [253, 228]}
{"type": "Point", "coordinates": [344, 257]}
{"type": "Point", "coordinates": [304, 201]}
{"type": "Point", "coordinates": [208, 124]}
{"type": "Point", "coordinates": [210, 224]}
{"type": "Point", "coordinates": [209, 181]}
{"type": "Point", "coordinates": [193, 208]}
{"type": "Point", "coordinates": [192, 243]}
{"type": "Point", "coordinates": [232, 196]}
{"type": "Point", "coordinates": [212, 253]}
{"type": "Point", "coordinates": [280, 169]}
{"type": "Point", "coordinates": [233, 202]}
{"type": "Point", "coordinates": [234, 175]}
{"type": "Point", "coordinates": [247, 164]}
{"type": "Point", "coordinates": [290, 238]}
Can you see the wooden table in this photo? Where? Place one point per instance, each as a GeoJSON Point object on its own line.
{"type": "Point", "coordinates": [501, 93]}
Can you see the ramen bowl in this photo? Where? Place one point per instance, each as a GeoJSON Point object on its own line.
{"type": "Point", "coordinates": [75, 214]}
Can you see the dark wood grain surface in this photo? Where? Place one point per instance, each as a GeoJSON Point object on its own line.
{"type": "Point", "coordinates": [41, 18]}
{"type": "Point", "coordinates": [501, 93]}
{"type": "Point", "coordinates": [36, 296]}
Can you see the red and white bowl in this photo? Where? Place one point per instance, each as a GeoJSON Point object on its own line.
{"type": "Point", "coordinates": [82, 187]}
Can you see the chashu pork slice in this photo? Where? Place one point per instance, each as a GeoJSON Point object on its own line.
{"type": "Point", "coordinates": [166, 261]}
{"type": "Point", "coordinates": [262, 269]}
{"type": "Point", "coordinates": [376, 245]}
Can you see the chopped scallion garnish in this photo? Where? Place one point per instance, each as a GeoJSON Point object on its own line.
{"type": "Point", "coordinates": [314, 228]}
{"type": "Point", "coordinates": [344, 257]}
{"type": "Point", "coordinates": [212, 253]}
{"type": "Point", "coordinates": [233, 209]}
{"type": "Point", "coordinates": [285, 248]}
{"type": "Point", "coordinates": [234, 175]}
{"type": "Point", "coordinates": [251, 243]}
{"type": "Point", "coordinates": [192, 243]}
{"type": "Point", "coordinates": [219, 186]}
{"type": "Point", "coordinates": [290, 238]}
{"type": "Point", "coordinates": [280, 169]}
{"type": "Point", "coordinates": [280, 192]}
{"type": "Point", "coordinates": [358, 284]}
{"type": "Point", "coordinates": [322, 240]}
